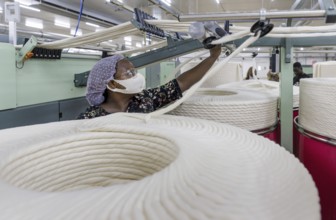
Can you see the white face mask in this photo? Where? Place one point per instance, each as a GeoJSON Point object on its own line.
{"type": "Point", "coordinates": [132, 85]}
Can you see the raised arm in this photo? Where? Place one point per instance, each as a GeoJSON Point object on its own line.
{"type": "Point", "coordinates": [190, 77]}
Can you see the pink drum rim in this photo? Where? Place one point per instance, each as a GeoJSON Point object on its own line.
{"type": "Point", "coordinates": [267, 130]}
{"type": "Point", "coordinates": [313, 135]}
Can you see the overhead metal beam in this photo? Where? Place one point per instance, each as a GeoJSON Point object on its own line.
{"type": "Point", "coordinates": [305, 22]}
{"type": "Point", "coordinates": [178, 48]}
{"type": "Point", "coordinates": [329, 7]}
{"type": "Point", "coordinates": [253, 15]}
{"type": "Point", "coordinates": [169, 10]}
{"type": "Point", "coordinates": [123, 6]}
{"type": "Point", "coordinates": [298, 5]}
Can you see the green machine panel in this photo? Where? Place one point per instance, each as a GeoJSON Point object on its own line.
{"type": "Point", "coordinates": [7, 76]}
{"type": "Point", "coordinates": [166, 72]}
{"type": "Point", "coordinates": [41, 81]}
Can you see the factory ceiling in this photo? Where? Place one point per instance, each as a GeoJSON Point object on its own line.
{"type": "Point", "coordinates": [59, 19]}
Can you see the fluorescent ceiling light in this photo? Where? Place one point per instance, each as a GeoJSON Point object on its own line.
{"type": "Point", "coordinates": [138, 44]}
{"type": "Point", "coordinates": [1, 10]}
{"type": "Point", "coordinates": [28, 2]}
{"type": "Point", "coordinates": [128, 43]}
{"type": "Point", "coordinates": [93, 25]}
{"type": "Point", "coordinates": [35, 23]}
{"type": "Point", "coordinates": [128, 39]}
{"type": "Point", "coordinates": [217, 1]}
{"type": "Point", "coordinates": [62, 23]}
{"type": "Point", "coordinates": [167, 2]}
{"type": "Point", "coordinates": [121, 1]}
{"type": "Point", "coordinates": [30, 8]}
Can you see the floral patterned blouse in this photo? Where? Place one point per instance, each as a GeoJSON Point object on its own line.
{"type": "Point", "coordinates": [147, 101]}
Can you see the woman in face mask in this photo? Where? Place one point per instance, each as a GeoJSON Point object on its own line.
{"type": "Point", "coordinates": [115, 86]}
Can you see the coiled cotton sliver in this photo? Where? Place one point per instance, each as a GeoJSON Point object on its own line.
{"type": "Point", "coordinates": [250, 110]}
{"type": "Point", "coordinates": [269, 87]}
{"type": "Point", "coordinates": [186, 169]}
{"type": "Point", "coordinates": [231, 72]}
{"type": "Point", "coordinates": [324, 69]}
{"type": "Point", "coordinates": [317, 106]}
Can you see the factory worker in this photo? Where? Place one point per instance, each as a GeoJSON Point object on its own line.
{"type": "Point", "coordinates": [299, 74]}
{"type": "Point", "coordinates": [115, 86]}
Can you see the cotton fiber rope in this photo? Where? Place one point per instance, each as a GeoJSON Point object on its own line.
{"type": "Point", "coordinates": [277, 32]}
{"type": "Point", "coordinates": [171, 25]}
{"type": "Point", "coordinates": [120, 167]}
{"type": "Point", "coordinates": [128, 28]}
{"type": "Point", "coordinates": [142, 49]}
{"type": "Point", "coordinates": [318, 106]}
{"type": "Point", "coordinates": [331, 34]}
{"type": "Point", "coordinates": [120, 30]}
{"type": "Point", "coordinates": [210, 73]}
{"type": "Point", "coordinates": [250, 110]}
{"type": "Point", "coordinates": [293, 30]}
{"type": "Point", "coordinates": [269, 87]}
{"type": "Point", "coordinates": [296, 32]}
{"type": "Point", "coordinates": [324, 69]}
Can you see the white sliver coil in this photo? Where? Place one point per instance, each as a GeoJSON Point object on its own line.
{"type": "Point", "coordinates": [318, 106]}
{"type": "Point", "coordinates": [120, 167]}
{"type": "Point", "coordinates": [324, 69]}
{"type": "Point", "coordinates": [250, 110]}
{"type": "Point", "coordinates": [231, 72]}
{"type": "Point", "coordinates": [269, 87]}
